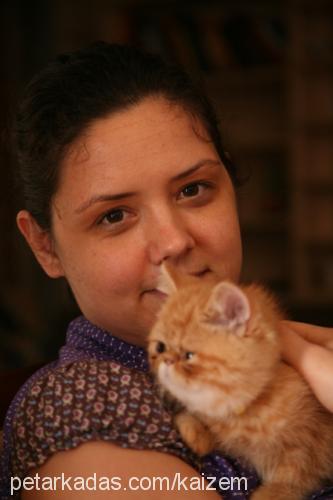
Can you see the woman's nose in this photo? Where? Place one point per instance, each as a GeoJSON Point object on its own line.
{"type": "Point", "coordinates": [168, 238]}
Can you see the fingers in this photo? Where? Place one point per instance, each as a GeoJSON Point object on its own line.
{"type": "Point", "coordinates": [312, 333]}
{"type": "Point", "coordinates": [317, 369]}
{"type": "Point", "coordinates": [313, 360]}
{"type": "Point", "coordinates": [293, 347]}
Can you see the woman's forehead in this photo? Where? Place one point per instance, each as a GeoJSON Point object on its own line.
{"type": "Point", "coordinates": [151, 121]}
{"type": "Point", "coordinates": [152, 138]}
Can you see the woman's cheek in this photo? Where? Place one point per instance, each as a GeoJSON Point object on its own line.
{"type": "Point", "coordinates": [122, 270]}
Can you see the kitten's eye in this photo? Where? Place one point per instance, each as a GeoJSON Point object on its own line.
{"type": "Point", "coordinates": [189, 355]}
{"type": "Point", "coordinates": [160, 347]}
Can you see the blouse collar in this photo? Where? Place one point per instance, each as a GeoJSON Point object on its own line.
{"type": "Point", "coordinates": [84, 339]}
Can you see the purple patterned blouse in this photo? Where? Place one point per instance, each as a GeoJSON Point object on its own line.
{"type": "Point", "coordinates": [100, 389]}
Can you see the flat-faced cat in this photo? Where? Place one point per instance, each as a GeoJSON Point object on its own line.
{"type": "Point", "coordinates": [215, 348]}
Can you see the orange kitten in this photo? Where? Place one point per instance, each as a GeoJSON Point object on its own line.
{"type": "Point", "coordinates": [215, 348]}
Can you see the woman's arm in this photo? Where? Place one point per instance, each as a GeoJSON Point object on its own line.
{"type": "Point", "coordinates": [126, 467]}
{"type": "Point", "coordinates": [309, 349]}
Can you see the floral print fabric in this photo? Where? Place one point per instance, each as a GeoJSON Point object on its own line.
{"type": "Point", "coordinates": [91, 400]}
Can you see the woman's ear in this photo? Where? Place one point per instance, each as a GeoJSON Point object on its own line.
{"type": "Point", "coordinates": [41, 243]}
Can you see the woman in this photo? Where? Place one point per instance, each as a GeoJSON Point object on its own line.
{"type": "Point", "coordinates": [123, 168]}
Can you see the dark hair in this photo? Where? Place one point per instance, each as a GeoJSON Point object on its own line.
{"type": "Point", "coordinates": [80, 87]}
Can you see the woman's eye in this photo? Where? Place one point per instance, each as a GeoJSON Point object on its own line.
{"type": "Point", "coordinates": [117, 220]}
{"type": "Point", "coordinates": [191, 190]}
{"type": "Point", "coordinates": [113, 216]}
{"type": "Point", "coordinates": [194, 189]}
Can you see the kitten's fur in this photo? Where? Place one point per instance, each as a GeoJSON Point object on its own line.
{"type": "Point", "coordinates": [221, 360]}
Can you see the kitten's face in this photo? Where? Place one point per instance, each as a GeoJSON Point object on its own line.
{"type": "Point", "coordinates": [214, 347]}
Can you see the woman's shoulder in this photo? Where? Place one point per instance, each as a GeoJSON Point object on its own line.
{"type": "Point", "coordinates": [94, 386]}
{"type": "Point", "coordinates": [90, 400]}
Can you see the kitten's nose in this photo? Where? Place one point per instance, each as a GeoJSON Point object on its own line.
{"type": "Point", "coordinates": [169, 360]}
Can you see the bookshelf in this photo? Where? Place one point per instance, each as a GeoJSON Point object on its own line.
{"type": "Point", "coordinates": [311, 150]}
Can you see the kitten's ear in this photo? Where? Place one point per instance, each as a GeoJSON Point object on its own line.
{"type": "Point", "coordinates": [228, 306]}
{"type": "Point", "coordinates": [171, 279]}
{"type": "Point", "coordinates": [168, 279]}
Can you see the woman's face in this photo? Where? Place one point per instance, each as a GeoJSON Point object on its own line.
{"type": "Point", "coordinates": [138, 188]}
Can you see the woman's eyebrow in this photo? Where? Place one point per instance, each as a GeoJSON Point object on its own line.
{"type": "Point", "coordinates": [103, 197]}
{"type": "Point", "coordinates": [119, 196]}
{"type": "Point", "coordinates": [194, 168]}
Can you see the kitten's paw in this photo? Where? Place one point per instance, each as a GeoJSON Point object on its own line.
{"type": "Point", "coordinates": [194, 433]}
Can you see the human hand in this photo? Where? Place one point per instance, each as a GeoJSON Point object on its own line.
{"type": "Point", "coordinates": [309, 349]}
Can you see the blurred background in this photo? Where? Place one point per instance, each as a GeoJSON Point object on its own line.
{"type": "Point", "coordinates": [268, 67]}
